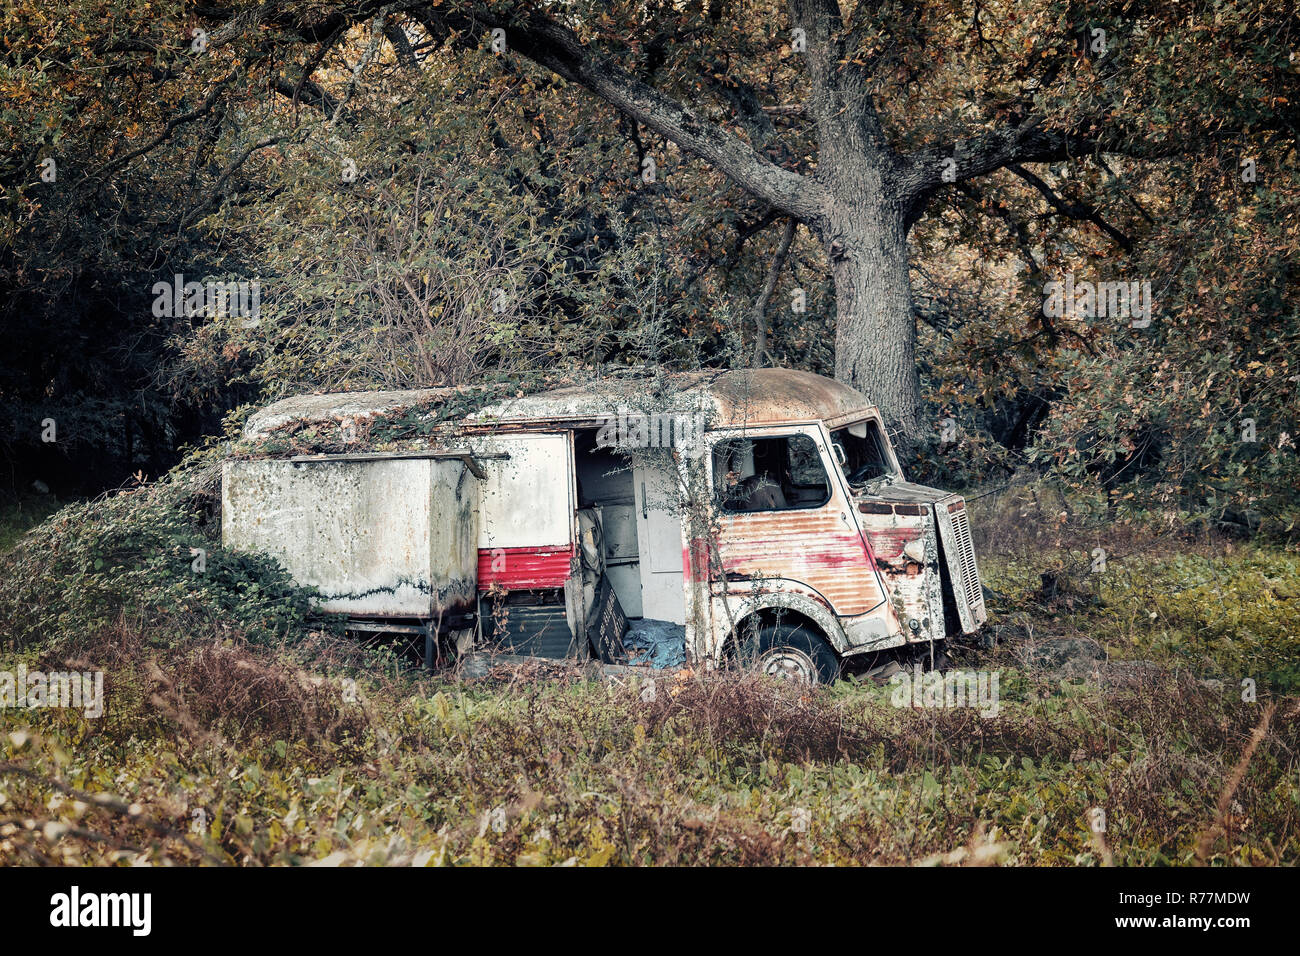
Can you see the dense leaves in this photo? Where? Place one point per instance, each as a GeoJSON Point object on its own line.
{"type": "Point", "coordinates": [147, 554]}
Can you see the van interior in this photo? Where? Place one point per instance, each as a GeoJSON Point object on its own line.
{"type": "Point", "coordinates": [781, 473]}
{"type": "Point", "coordinates": [636, 544]}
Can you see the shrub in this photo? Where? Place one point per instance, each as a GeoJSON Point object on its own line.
{"type": "Point", "coordinates": [152, 550]}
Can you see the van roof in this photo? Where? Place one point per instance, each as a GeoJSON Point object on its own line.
{"type": "Point", "coordinates": [753, 397]}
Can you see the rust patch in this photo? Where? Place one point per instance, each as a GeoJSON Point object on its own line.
{"type": "Point", "coordinates": [811, 547]}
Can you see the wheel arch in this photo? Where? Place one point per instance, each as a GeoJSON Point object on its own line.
{"type": "Point", "coordinates": [791, 610]}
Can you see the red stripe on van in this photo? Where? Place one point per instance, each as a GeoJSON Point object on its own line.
{"type": "Point", "coordinates": [512, 568]}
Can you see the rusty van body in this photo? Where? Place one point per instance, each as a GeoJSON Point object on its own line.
{"type": "Point", "coordinates": [757, 515]}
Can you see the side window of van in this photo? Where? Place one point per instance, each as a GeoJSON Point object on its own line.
{"type": "Point", "coordinates": [769, 474]}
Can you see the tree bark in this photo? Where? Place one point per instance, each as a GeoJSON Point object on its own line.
{"type": "Point", "coordinates": [875, 331]}
{"type": "Point", "coordinates": [765, 296]}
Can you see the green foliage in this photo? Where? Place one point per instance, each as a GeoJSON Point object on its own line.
{"type": "Point", "coordinates": [221, 704]}
{"type": "Point", "coordinates": [477, 172]}
{"type": "Point", "coordinates": [137, 554]}
{"type": "Point", "coordinates": [721, 770]}
{"type": "Point", "coordinates": [21, 514]}
{"type": "Point", "coordinates": [1213, 615]}
{"type": "Point", "coordinates": [1066, 566]}
{"type": "Point", "coordinates": [1196, 415]}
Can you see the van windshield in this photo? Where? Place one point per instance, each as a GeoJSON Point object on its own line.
{"type": "Point", "coordinates": [866, 452]}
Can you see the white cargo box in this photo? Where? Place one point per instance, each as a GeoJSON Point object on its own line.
{"type": "Point", "coordinates": [385, 536]}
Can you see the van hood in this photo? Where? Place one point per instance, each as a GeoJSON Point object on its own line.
{"type": "Point", "coordinates": [910, 524]}
{"type": "Point", "coordinates": [900, 491]}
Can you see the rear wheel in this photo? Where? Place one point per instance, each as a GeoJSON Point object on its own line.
{"type": "Point", "coordinates": [790, 653]}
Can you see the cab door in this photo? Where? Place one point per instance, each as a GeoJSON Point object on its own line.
{"type": "Point", "coordinates": [783, 513]}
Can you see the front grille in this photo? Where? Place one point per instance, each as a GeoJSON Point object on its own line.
{"type": "Point", "coordinates": [970, 575]}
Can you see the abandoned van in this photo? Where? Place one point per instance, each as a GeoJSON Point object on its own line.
{"type": "Point", "coordinates": [756, 517]}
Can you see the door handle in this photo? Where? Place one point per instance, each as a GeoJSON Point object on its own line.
{"type": "Point", "coordinates": [645, 509]}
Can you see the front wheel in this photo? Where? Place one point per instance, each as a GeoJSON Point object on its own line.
{"type": "Point", "coordinates": [790, 653]}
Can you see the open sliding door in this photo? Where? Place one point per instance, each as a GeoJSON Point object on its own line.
{"type": "Point", "coordinates": [526, 506]}
{"type": "Point", "coordinates": [659, 533]}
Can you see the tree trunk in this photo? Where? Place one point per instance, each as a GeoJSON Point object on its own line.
{"type": "Point", "coordinates": [875, 333]}
{"type": "Point", "coordinates": [765, 296]}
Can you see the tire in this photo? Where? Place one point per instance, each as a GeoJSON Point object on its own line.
{"type": "Point", "coordinates": [792, 653]}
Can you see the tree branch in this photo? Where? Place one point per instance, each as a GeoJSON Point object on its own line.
{"type": "Point", "coordinates": [405, 52]}
{"type": "Point", "coordinates": [769, 286]}
{"type": "Point", "coordinates": [1007, 216]}
{"type": "Point", "coordinates": [180, 120]}
{"type": "Point", "coordinates": [558, 49]}
{"type": "Point", "coordinates": [214, 191]}
{"type": "Point", "coordinates": [1075, 210]}
{"type": "Point", "coordinates": [304, 92]}
{"type": "Point", "coordinates": [1025, 142]}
